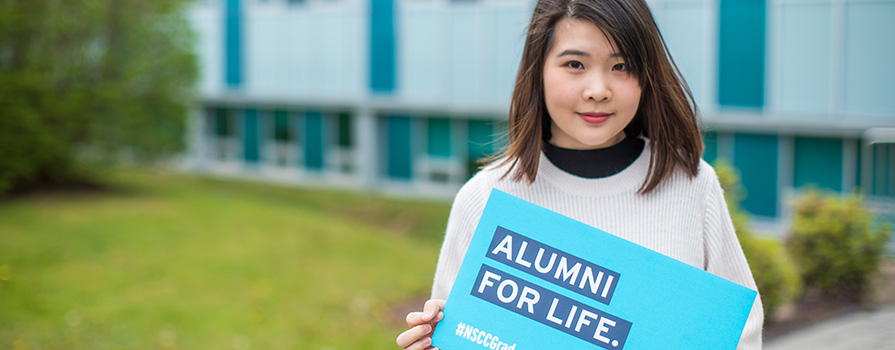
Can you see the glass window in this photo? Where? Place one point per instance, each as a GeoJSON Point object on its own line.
{"type": "Point", "coordinates": [223, 125]}
{"type": "Point", "coordinates": [883, 170]}
{"type": "Point", "coordinates": [345, 133]}
{"type": "Point", "coordinates": [281, 126]}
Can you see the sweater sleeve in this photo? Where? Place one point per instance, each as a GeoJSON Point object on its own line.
{"type": "Point", "coordinates": [464, 217]}
{"type": "Point", "coordinates": [725, 258]}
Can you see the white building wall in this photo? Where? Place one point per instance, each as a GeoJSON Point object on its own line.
{"type": "Point", "coordinates": [305, 51]}
{"type": "Point", "coordinates": [459, 53]}
{"type": "Point", "coordinates": [308, 51]}
{"type": "Point", "coordinates": [870, 58]}
{"type": "Point", "coordinates": [686, 27]}
{"type": "Point", "coordinates": [803, 59]}
{"type": "Point", "coordinates": [207, 22]}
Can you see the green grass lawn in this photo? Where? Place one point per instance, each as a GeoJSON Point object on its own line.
{"type": "Point", "coordinates": [164, 261]}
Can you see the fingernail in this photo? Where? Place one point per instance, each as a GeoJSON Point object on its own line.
{"type": "Point", "coordinates": [427, 341]}
{"type": "Point", "coordinates": [427, 328]}
{"type": "Point", "coordinates": [427, 314]}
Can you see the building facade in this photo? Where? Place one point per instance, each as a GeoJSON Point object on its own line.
{"type": "Point", "coordinates": [406, 95]}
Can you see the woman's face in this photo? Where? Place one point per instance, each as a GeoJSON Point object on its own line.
{"type": "Point", "coordinates": [590, 95]}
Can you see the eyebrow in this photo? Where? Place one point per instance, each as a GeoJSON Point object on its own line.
{"type": "Point", "coordinates": [572, 52]}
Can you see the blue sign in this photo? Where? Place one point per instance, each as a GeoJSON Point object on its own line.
{"type": "Point", "coordinates": [534, 279]}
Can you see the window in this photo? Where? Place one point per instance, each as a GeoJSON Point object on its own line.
{"type": "Point", "coordinates": [281, 131]}
{"type": "Point", "coordinates": [341, 157]}
{"type": "Point", "coordinates": [280, 148]}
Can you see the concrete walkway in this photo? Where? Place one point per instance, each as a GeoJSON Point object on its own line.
{"type": "Point", "coordinates": [873, 329]}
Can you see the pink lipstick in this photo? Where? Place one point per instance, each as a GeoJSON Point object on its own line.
{"type": "Point", "coordinates": [594, 118]}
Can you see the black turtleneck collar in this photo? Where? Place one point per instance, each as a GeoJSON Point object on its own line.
{"type": "Point", "coordinates": [596, 163]}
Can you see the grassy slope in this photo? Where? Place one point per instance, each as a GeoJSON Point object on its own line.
{"type": "Point", "coordinates": [174, 262]}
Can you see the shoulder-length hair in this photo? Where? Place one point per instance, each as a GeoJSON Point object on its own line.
{"type": "Point", "coordinates": [666, 114]}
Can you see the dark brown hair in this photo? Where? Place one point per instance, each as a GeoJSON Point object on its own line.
{"type": "Point", "coordinates": [666, 114]}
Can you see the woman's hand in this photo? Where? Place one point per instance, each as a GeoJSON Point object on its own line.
{"type": "Point", "coordinates": [419, 336]}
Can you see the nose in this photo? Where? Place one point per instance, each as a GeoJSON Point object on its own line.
{"type": "Point", "coordinates": [597, 88]}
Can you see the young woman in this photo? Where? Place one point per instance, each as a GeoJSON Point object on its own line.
{"type": "Point", "coordinates": [602, 129]}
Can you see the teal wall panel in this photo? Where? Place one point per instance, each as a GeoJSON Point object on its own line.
{"type": "Point", "coordinates": [438, 137]}
{"type": "Point", "coordinates": [233, 43]}
{"type": "Point", "coordinates": [755, 156]}
{"type": "Point", "coordinates": [315, 146]}
{"type": "Point", "coordinates": [481, 138]}
{"type": "Point", "coordinates": [250, 136]}
{"type": "Point", "coordinates": [711, 146]}
{"type": "Point", "coordinates": [399, 146]}
{"type": "Point", "coordinates": [382, 46]}
{"type": "Point", "coordinates": [742, 53]}
{"type": "Point", "coordinates": [480, 134]}
{"type": "Point", "coordinates": [818, 162]}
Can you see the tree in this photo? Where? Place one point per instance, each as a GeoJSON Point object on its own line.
{"type": "Point", "coordinates": [91, 82]}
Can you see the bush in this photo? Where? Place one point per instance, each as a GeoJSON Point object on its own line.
{"type": "Point", "coordinates": [86, 83]}
{"type": "Point", "coordinates": [774, 271]}
{"type": "Point", "coordinates": [834, 245]}
{"type": "Point", "coordinates": [775, 274]}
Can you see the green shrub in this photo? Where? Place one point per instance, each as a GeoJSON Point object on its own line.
{"type": "Point", "coordinates": [775, 274]}
{"type": "Point", "coordinates": [774, 271]}
{"type": "Point", "coordinates": [834, 245]}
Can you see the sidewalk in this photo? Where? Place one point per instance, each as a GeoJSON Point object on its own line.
{"type": "Point", "coordinates": [872, 329]}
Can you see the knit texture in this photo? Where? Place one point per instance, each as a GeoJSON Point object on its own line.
{"type": "Point", "coordinates": [684, 218]}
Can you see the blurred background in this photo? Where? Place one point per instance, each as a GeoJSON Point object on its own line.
{"type": "Point", "coordinates": [408, 94]}
{"type": "Point", "coordinates": [276, 174]}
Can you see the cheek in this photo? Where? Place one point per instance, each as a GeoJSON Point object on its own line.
{"type": "Point", "coordinates": [557, 91]}
{"type": "Point", "coordinates": [631, 93]}
{"type": "Point", "coordinates": [549, 89]}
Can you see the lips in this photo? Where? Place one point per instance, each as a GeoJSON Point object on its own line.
{"type": "Point", "coordinates": [594, 118]}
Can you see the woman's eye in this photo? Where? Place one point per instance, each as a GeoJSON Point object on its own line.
{"type": "Point", "coordinates": [575, 65]}
{"type": "Point", "coordinates": [620, 67]}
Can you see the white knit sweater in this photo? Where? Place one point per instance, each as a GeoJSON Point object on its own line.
{"type": "Point", "coordinates": [683, 218]}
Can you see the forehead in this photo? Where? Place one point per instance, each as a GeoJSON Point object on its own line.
{"type": "Point", "coordinates": [581, 35]}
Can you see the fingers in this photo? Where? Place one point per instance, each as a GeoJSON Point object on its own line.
{"type": "Point", "coordinates": [416, 337]}
{"type": "Point", "coordinates": [419, 336]}
{"type": "Point", "coordinates": [432, 310]}
{"type": "Point", "coordinates": [431, 313]}
{"type": "Point", "coordinates": [423, 344]}
{"type": "Point", "coordinates": [414, 319]}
